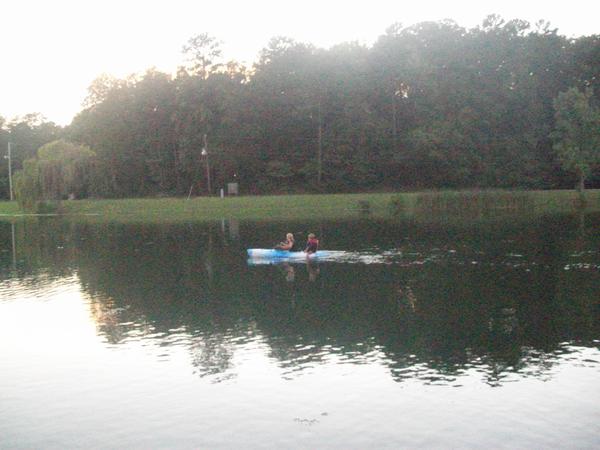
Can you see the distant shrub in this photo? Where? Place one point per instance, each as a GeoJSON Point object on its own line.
{"type": "Point", "coordinates": [397, 205]}
{"type": "Point", "coordinates": [474, 203]}
{"type": "Point", "coordinates": [364, 207]}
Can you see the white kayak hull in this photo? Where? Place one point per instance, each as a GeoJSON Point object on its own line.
{"type": "Point", "coordinates": [269, 253]}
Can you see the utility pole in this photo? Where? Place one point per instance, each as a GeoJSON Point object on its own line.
{"type": "Point", "coordinates": [205, 154]}
{"type": "Point", "coordinates": [319, 146]}
{"type": "Point", "coordinates": [9, 157]}
{"type": "Point", "coordinates": [394, 120]}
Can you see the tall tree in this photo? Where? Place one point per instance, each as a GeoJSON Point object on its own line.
{"type": "Point", "coordinates": [577, 132]}
{"type": "Point", "coordinates": [429, 105]}
{"type": "Point", "coordinates": [202, 53]}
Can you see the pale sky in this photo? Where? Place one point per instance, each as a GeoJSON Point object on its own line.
{"type": "Point", "coordinates": [53, 49]}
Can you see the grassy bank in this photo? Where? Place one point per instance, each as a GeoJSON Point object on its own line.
{"type": "Point", "coordinates": [421, 206]}
{"type": "Point", "coordinates": [290, 207]}
{"type": "Point", "coordinates": [9, 209]}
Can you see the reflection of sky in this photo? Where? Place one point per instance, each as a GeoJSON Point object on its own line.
{"type": "Point", "coordinates": [64, 384]}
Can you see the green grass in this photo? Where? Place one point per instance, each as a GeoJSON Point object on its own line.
{"type": "Point", "coordinates": [289, 207]}
{"type": "Point", "coordinates": [9, 209]}
{"type": "Point", "coordinates": [420, 206]}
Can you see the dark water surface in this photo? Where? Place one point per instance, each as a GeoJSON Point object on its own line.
{"type": "Point", "coordinates": [418, 335]}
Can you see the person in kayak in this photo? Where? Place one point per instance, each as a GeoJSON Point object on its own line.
{"type": "Point", "coordinates": [312, 245]}
{"type": "Point", "coordinates": [288, 244]}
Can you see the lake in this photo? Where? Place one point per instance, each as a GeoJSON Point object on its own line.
{"type": "Point", "coordinates": [449, 333]}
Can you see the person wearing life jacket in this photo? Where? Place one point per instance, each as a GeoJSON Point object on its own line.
{"type": "Point", "coordinates": [312, 245]}
{"type": "Point", "coordinates": [288, 244]}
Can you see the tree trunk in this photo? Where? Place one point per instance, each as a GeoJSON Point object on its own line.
{"type": "Point", "coordinates": [581, 183]}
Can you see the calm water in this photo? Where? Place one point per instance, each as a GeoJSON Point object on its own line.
{"type": "Point", "coordinates": [417, 336]}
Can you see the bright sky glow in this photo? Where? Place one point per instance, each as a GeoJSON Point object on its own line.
{"type": "Point", "coordinates": [52, 50]}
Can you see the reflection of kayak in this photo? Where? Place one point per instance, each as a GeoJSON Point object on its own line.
{"type": "Point", "coordinates": [269, 253]}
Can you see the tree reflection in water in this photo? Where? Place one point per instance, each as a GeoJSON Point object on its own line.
{"type": "Point", "coordinates": [444, 303]}
{"type": "Point", "coordinates": [212, 356]}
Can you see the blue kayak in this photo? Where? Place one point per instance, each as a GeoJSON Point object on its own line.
{"type": "Point", "coordinates": [270, 253]}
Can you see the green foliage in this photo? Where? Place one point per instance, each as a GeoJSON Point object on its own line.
{"type": "Point", "coordinates": [279, 170]}
{"type": "Point", "coordinates": [577, 132]}
{"type": "Point", "coordinates": [61, 170]}
{"type": "Point", "coordinates": [202, 51]}
{"type": "Point", "coordinates": [64, 169]}
{"type": "Point", "coordinates": [26, 134]}
{"type": "Point", "coordinates": [398, 205]}
{"type": "Point", "coordinates": [8, 209]}
{"type": "Point", "coordinates": [27, 185]}
{"type": "Point", "coordinates": [433, 105]}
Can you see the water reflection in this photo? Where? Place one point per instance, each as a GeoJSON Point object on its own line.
{"type": "Point", "coordinates": [431, 304]}
{"type": "Point", "coordinates": [290, 272]}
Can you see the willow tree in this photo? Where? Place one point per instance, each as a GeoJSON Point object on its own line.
{"type": "Point", "coordinates": [61, 170]}
{"type": "Point", "coordinates": [28, 190]}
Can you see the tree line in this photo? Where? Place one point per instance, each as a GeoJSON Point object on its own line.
{"type": "Point", "coordinates": [433, 105]}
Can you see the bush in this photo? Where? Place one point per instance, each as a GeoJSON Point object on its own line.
{"type": "Point", "coordinates": [397, 205]}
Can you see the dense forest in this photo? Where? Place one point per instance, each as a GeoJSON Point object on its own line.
{"type": "Point", "coordinates": [433, 105]}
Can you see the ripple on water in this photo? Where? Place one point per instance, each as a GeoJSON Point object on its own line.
{"type": "Point", "coordinates": [40, 288]}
